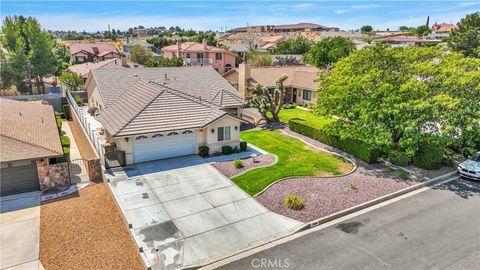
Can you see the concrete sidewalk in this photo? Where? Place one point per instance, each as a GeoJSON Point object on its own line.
{"type": "Point", "coordinates": [20, 231]}
{"type": "Point", "coordinates": [190, 212]}
{"type": "Point", "coordinates": [78, 171]}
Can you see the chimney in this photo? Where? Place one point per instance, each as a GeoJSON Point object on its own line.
{"type": "Point", "coordinates": [204, 42]}
{"type": "Point", "coordinates": [179, 47]}
{"type": "Point", "coordinates": [244, 71]}
{"type": "Point", "coordinates": [124, 60]}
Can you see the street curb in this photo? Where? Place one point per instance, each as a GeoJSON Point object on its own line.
{"type": "Point", "coordinates": [370, 203]}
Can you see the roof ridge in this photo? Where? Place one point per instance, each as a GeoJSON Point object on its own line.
{"type": "Point", "coordinates": [192, 97]}
{"type": "Point", "coordinates": [34, 145]}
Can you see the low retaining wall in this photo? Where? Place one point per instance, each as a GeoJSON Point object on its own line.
{"type": "Point", "coordinates": [52, 176]}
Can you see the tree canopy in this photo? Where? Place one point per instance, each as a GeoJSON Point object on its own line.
{"type": "Point", "coordinates": [397, 97]}
{"type": "Point", "coordinates": [140, 55]}
{"type": "Point", "coordinates": [165, 62]}
{"type": "Point", "coordinates": [466, 37]}
{"type": "Point", "coordinates": [72, 81]}
{"type": "Point", "coordinates": [366, 28]}
{"type": "Point", "coordinates": [298, 45]}
{"type": "Point", "coordinates": [329, 51]}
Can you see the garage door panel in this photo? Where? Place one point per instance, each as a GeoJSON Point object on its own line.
{"type": "Point", "coordinates": [18, 178]}
{"type": "Point", "coordinates": [160, 147]}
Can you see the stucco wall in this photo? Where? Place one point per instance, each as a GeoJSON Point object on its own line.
{"type": "Point", "coordinates": [124, 145]}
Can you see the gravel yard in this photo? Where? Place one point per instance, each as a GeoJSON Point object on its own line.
{"type": "Point", "coordinates": [85, 231]}
{"type": "Point", "coordinates": [227, 168]}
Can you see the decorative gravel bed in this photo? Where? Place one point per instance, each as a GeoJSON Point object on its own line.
{"type": "Point", "coordinates": [227, 168]}
{"type": "Point", "coordinates": [85, 231]}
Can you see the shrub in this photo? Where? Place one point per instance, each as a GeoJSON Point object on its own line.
{"type": "Point", "coordinates": [293, 202]}
{"type": "Point", "coordinates": [237, 163]}
{"type": "Point", "coordinates": [429, 155]}
{"type": "Point", "coordinates": [65, 141]}
{"type": "Point", "coordinates": [59, 122]}
{"type": "Point", "coordinates": [289, 106]}
{"type": "Point", "coordinates": [66, 111]}
{"type": "Point", "coordinates": [357, 148]}
{"type": "Point", "coordinates": [78, 100]}
{"type": "Point", "coordinates": [243, 146]}
{"type": "Point", "coordinates": [66, 155]}
{"type": "Point", "coordinates": [353, 186]}
{"type": "Point", "coordinates": [398, 158]}
{"type": "Point", "coordinates": [448, 158]}
{"type": "Point", "coordinates": [203, 151]}
{"type": "Point", "coordinates": [236, 150]}
{"type": "Point", "coordinates": [403, 175]}
{"type": "Point", "coordinates": [227, 150]}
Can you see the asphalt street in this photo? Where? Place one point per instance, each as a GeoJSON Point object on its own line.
{"type": "Point", "coordinates": [435, 229]}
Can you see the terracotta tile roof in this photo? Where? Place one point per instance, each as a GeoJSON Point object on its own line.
{"type": "Point", "coordinates": [28, 131]}
{"type": "Point", "coordinates": [298, 76]}
{"type": "Point", "coordinates": [402, 39]}
{"type": "Point", "coordinates": [84, 69]}
{"type": "Point", "coordinates": [195, 81]}
{"type": "Point", "coordinates": [99, 49]}
{"type": "Point", "coordinates": [298, 26]}
{"type": "Point", "coordinates": [443, 27]}
{"type": "Point", "coordinates": [149, 107]}
{"type": "Point", "coordinates": [194, 47]}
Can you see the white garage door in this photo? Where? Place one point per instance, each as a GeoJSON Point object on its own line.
{"type": "Point", "coordinates": [164, 145]}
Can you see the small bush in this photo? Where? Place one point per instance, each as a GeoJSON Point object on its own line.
{"type": "Point", "coordinates": [227, 150]}
{"type": "Point", "coordinates": [203, 151]}
{"type": "Point", "coordinates": [448, 158]}
{"type": "Point", "coordinates": [289, 106]}
{"type": "Point", "coordinates": [65, 141]}
{"type": "Point", "coordinates": [398, 158]}
{"type": "Point", "coordinates": [388, 170]}
{"type": "Point", "coordinates": [66, 155]}
{"type": "Point", "coordinates": [403, 175]}
{"type": "Point", "coordinates": [59, 122]}
{"type": "Point", "coordinates": [78, 100]}
{"type": "Point", "coordinates": [243, 146]}
{"type": "Point", "coordinates": [429, 155]}
{"type": "Point", "coordinates": [66, 111]}
{"type": "Point", "coordinates": [237, 163]}
{"type": "Point", "coordinates": [353, 186]}
{"type": "Point", "coordinates": [293, 202]}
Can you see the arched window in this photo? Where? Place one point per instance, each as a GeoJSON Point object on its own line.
{"type": "Point", "coordinates": [187, 132]}
{"type": "Point", "coordinates": [172, 133]}
{"type": "Point", "coordinates": [141, 137]}
{"type": "Point", "coordinates": [157, 135]}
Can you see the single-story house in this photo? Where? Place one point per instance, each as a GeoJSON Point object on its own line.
{"type": "Point", "coordinates": [300, 86]}
{"type": "Point", "coordinates": [28, 138]}
{"type": "Point", "coordinates": [157, 113]}
{"type": "Point", "coordinates": [85, 68]}
{"type": "Point", "coordinates": [91, 52]}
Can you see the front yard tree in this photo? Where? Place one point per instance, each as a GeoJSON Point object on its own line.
{"type": "Point", "coordinates": [71, 80]}
{"type": "Point", "coordinates": [140, 55]}
{"type": "Point", "coordinates": [329, 51]}
{"type": "Point", "coordinates": [466, 37]}
{"type": "Point", "coordinates": [267, 101]}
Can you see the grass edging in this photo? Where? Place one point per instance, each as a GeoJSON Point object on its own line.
{"type": "Point", "coordinates": [373, 202]}
{"type": "Point", "coordinates": [293, 177]}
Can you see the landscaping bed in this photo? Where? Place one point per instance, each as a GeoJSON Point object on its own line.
{"type": "Point", "coordinates": [228, 169]}
{"type": "Point", "coordinates": [85, 231]}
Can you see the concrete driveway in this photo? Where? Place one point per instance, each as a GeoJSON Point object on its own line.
{"type": "Point", "coordinates": [189, 212]}
{"type": "Point", "coordinates": [20, 231]}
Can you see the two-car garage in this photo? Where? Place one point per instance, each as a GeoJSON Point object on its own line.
{"type": "Point", "coordinates": [164, 145]}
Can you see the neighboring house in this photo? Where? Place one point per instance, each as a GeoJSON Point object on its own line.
{"type": "Point", "coordinates": [300, 86]}
{"type": "Point", "coordinates": [28, 138]}
{"type": "Point", "coordinates": [251, 29]}
{"type": "Point", "coordinates": [85, 68]}
{"type": "Point", "coordinates": [241, 49]}
{"type": "Point", "coordinates": [404, 40]}
{"type": "Point", "coordinates": [92, 52]}
{"type": "Point", "coordinates": [156, 113]}
{"type": "Point", "coordinates": [305, 27]}
{"type": "Point", "coordinates": [442, 30]}
{"type": "Point", "coordinates": [128, 47]}
{"type": "Point", "coordinates": [201, 54]}
{"type": "Point", "coordinates": [268, 43]}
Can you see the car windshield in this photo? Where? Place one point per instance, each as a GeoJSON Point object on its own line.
{"type": "Point", "coordinates": [476, 157]}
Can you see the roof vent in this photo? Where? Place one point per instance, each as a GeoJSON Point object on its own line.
{"type": "Point", "coordinates": [166, 77]}
{"type": "Point", "coordinates": [135, 75]}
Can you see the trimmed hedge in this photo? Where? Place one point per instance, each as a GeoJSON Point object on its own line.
{"type": "Point", "coordinates": [429, 156]}
{"type": "Point", "coordinates": [203, 151]}
{"type": "Point", "coordinates": [357, 148]}
{"type": "Point", "coordinates": [227, 150]}
{"type": "Point", "coordinates": [243, 146]}
{"type": "Point", "coordinates": [65, 140]}
{"type": "Point", "coordinates": [398, 158]}
{"type": "Point", "coordinates": [66, 155]}
{"type": "Point", "coordinates": [66, 111]}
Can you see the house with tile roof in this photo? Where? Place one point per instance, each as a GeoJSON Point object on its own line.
{"type": "Point", "coordinates": [156, 113]}
{"type": "Point", "coordinates": [201, 54]}
{"type": "Point", "coordinates": [300, 86]}
{"type": "Point", "coordinates": [85, 68]}
{"type": "Point", "coordinates": [441, 30]}
{"type": "Point", "coordinates": [28, 137]}
{"type": "Point", "coordinates": [268, 43]}
{"type": "Point", "coordinates": [305, 27]}
{"type": "Point", "coordinates": [92, 52]}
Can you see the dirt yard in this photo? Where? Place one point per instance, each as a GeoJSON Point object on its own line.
{"type": "Point", "coordinates": [85, 231]}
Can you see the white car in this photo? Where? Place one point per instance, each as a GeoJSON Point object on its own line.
{"type": "Point", "coordinates": [470, 168]}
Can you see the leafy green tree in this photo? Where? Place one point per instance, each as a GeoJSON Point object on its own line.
{"type": "Point", "coordinates": [404, 28]}
{"type": "Point", "coordinates": [269, 102]}
{"type": "Point", "coordinates": [259, 59]}
{"type": "Point", "coordinates": [366, 38]}
{"type": "Point", "coordinates": [208, 36]}
{"type": "Point", "coordinates": [399, 97]}
{"type": "Point", "coordinates": [423, 30]}
{"type": "Point", "coordinates": [299, 45]}
{"type": "Point", "coordinates": [165, 62]}
{"type": "Point", "coordinates": [466, 37]}
{"type": "Point", "coordinates": [140, 55]}
{"type": "Point", "coordinates": [366, 29]}
{"type": "Point", "coordinates": [72, 81]}
{"type": "Point", "coordinates": [329, 51]}
{"type": "Point", "coordinates": [160, 42]}
{"type": "Point", "coordinates": [13, 70]}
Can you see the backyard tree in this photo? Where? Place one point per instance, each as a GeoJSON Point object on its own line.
{"type": "Point", "coordinates": [329, 51]}
{"type": "Point", "coordinates": [366, 29]}
{"type": "Point", "coordinates": [259, 59]}
{"type": "Point", "coordinates": [400, 97]}
{"type": "Point", "coordinates": [140, 55]}
{"type": "Point", "coordinates": [299, 45]}
{"type": "Point", "coordinates": [269, 101]}
{"type": "Point", "coordinates": [72, 81]}
{"type": "Point", "coordinates": [165, 62]}
{"type": "Point", "coordinates": [466, 37]}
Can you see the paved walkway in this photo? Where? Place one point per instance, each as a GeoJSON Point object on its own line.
{"type": "Point", "coordinates": [78, 170]}
{"type": "Point", "coordinates": [20, 231]}
{"type": "Point", "coordinates": [190, 212]}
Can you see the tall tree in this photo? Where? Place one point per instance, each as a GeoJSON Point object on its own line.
{"type": "Point", "coordinates": [140, 55]}
{"type": "Point", "coordinates": [466, 37]}
{"type": "Point", "coordinates": [366, 29]}
{"type": "Point", "coordinates": [72, 81]}
{"type": "Point", "coordinates": [329, 51]}
{"type": "Point", "coordinates": [269, 101]}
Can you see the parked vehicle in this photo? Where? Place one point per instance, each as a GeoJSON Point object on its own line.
{"type": "Point", "coordinates": [470, 168]}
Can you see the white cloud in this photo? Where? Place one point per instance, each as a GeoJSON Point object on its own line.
{"type": "Point", "coordinates": [341, 11]}
{"type": "Point", "coordinates": [303, 6]}
{"type": "Point", "coordinates": [467, 4]}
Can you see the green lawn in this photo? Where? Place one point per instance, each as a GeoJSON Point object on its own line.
{"type": "Point", "coordinates": [305, 116]}
{"type": "Point", "coordinates": [295, 158]}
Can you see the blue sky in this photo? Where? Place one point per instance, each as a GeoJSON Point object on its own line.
{"type": "Point", "coordinates": [218, 15]}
